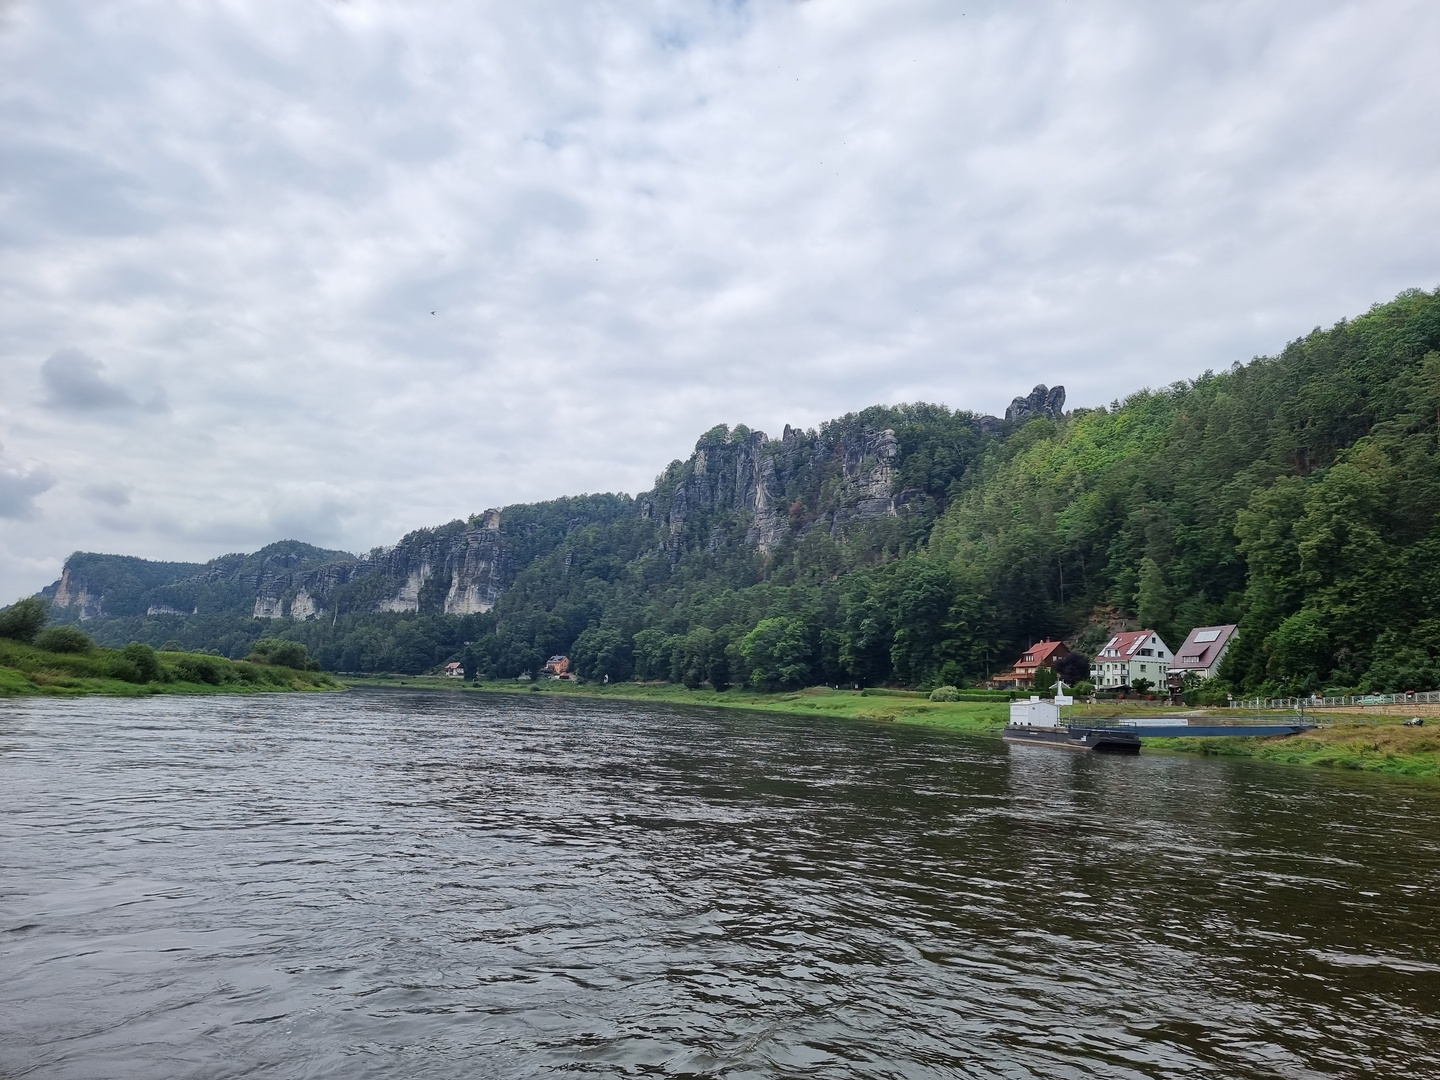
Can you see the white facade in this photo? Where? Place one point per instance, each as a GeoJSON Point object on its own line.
{"type": "Point", "coordinates": [1035, 713]}
{"type": "Point", "coordinates": [1139, 654]}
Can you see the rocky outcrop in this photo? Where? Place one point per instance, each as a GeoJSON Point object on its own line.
{"type": "Point", "coordinates": [304, 606]}
{"type": "Point", "coordinates": [458, 569]}
{"type": "Point", "coordinates": [869, 464]}
{"type": "Point", "coordinates": [739, 493]}
{"type": "Point", "coordinates": [289, 580]}
{"type": "Point", "coordinates": [73, 591]}
{"type": "Point", "coordinates": [1043, 401]}
{"type": "Point", "coordinates": [741, 487]}
{"type": "Point", "coordinates": [732, 474]}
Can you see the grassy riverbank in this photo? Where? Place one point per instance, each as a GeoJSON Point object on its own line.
{"type": "Point", "coordinates": [1367, 743]}
{"type": "Point", "coordinates": [26, 670]}
{"type": "Point", "coordinates": [1365, 746]}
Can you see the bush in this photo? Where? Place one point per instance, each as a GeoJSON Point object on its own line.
{"type": "Point", "coordinates": [279, 652]}
{"type": "Point", "coordinates": [1084, 688]}
{"type": "Point", "coordinates": [146, 664]}
{"type": "Point", "coordinates": [64, 639]}
{"type": "Point", "coordinates": [1210, 692]}
{"type": "Point", "coordinates": [945, 693]}
{"type": "Point", "coordinates": [199, 669]}
{"type": "Point", "coordinates": [22, 620]}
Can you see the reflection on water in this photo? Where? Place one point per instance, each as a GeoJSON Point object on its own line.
{"type": "Point", "coordinates": [425, 884]}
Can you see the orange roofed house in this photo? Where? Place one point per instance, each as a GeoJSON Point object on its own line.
{"type": "Point", "coordinates": [1041, 654]}
{"type": "Point", "coordinates": [558, 667]}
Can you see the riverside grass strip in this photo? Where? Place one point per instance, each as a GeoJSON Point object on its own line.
{"type": "Point", "coordinates": [29, 671]}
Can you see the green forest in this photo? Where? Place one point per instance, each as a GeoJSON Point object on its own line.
{"type": "Point", "coordinates": [1296, 495]}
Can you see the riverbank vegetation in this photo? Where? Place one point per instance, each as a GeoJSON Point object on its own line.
{"type": "Point", "coordinates": [63, 661]}
{"type": "Point", "coordinates": [1359, 744]}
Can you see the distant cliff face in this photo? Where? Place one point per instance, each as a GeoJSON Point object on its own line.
{"type": "Point", "coordinates": [739, 490]}
{"type": "Point", "coordinates": [457, 569]}
{"type": "Point", "coordinates": [450, 570]}
{"type": "Point", "coordinates": [742, 480]}
{"type": "Point", "coordinates": [737, 487]}
{"type": "Point", "coordinates": [74, 590]}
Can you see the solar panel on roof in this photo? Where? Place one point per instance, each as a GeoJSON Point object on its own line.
{"type": "Point", "coordinates": [1207, 635]}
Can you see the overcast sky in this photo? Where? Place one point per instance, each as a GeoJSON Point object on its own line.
{"type": "Point", "coordinates": [338, 270]}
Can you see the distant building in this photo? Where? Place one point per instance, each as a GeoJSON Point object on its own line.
{"type": "Point", "coordinates": [1041, 654]}
{"type": "Point", "coordinates": [455, 671]}
{"type": "Point", "coordinates": [1136, 654]}
{"type": "Point", "coordinates": [1203, 650]}
{"type": "Point", "coordinates": [558, 667]}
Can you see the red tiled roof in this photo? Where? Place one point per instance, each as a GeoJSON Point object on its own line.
{"type": "Point", "coordinates": [1042, 652]}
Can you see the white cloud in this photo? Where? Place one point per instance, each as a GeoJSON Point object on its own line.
{"type": "Point", "coordinates": [633, 221]}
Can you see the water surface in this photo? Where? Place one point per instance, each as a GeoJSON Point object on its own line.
{"type": "Point", "coordinates": [397, 883]}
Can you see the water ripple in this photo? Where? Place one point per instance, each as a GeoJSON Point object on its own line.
{"type": "Point", "coordinates": [425, 884]}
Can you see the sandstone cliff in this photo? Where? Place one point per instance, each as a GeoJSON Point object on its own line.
{"type": "Point", "coordinates": [739, 492]}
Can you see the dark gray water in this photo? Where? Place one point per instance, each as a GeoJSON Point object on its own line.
{"type": "Point", "coordinates": [428, 884]}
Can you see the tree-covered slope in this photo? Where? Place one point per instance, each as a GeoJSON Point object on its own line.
{"type": "Point", "coordinates": [1296, 495]}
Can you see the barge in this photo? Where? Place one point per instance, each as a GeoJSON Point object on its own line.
{"type": "Point", "coordinates": [1038, 722]}
{"type": "Point", "coordinates": [1075, 737]}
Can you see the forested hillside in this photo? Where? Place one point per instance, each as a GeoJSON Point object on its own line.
{"type": "Point", "coordinates": [1296, 495]}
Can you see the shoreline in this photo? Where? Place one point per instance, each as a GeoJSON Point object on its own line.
{"type": "Point", "coordinates": [1376, 744]}
{"type": "Point", "coordinates": [27, 672]}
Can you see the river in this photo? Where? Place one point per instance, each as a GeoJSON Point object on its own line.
{"type": "Point", "coordinates": [419, 883]}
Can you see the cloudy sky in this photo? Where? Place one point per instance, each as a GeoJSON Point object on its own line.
{"type": "Point", "coordinates": [336, 270]}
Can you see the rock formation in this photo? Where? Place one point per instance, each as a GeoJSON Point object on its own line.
{"type": "Point", "coordinates": [458, 569]}
{"type": "Point", "coordinates": [1041, 402]}
{"type": "Point", "coordinates": [738, 491]}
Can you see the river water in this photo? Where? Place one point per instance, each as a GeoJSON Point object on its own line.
{"type": "Point", "coordinates": [393, 883]}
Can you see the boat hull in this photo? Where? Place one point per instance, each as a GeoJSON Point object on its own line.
{"type": "Point", "coordinates": [1074, 737]}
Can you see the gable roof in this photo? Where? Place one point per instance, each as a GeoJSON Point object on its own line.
{"type": "Point", "coordinates": [1203, 646]}
{"type": "Point", "coordinates": [1042, 652]}
{"type": "Point", "coordinates": [1127, 644]}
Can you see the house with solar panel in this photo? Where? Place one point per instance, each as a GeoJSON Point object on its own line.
{"type": "Point", "coordinates": [1136, 654]}
{"type": "Point", "coordinates": [1203, 650]}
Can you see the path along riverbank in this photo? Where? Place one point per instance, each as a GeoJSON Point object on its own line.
{"type": "Point", "coordinates": [1367, 742]}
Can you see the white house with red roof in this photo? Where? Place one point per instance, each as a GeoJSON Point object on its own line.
{"type": "Point", "coordinates": [1203, 650]}
{"type": "Point", "coordinates": [1135, 654]}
